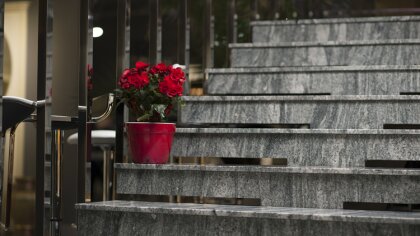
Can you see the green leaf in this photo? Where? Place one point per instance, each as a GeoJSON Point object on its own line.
{"type": "Point", "coordinates": [144, 117]}
{"type": "Point", "coordinates": [160, 108]}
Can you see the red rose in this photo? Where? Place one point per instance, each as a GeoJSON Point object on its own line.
{"type": "Point", "coordinates": [141, 66]}
{"type": "Point", "coordinates": [123, 82]}
{"type": "Point", "coordinates": [160, 69]}
{"type": "Point", "coordinates": [177, 75]}
{"type": "Point", "coordinates": [170, 88]}
{"type": "Point", "coordinates": [133, 78]}
{"type": "Point", "coordinates": [144, 79]}
{"type": "Point", "coordinates": [90, 70]}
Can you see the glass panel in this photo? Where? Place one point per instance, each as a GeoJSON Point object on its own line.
{"type": "Point", "coordinates": [48, 113]}
{"type": "Point", "coordinates": [111, 30]}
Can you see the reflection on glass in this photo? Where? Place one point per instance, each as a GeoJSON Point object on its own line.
{"type": "Point", "coordinates": [48, 109]}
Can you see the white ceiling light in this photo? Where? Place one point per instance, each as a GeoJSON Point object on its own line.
{"type": "Point", "coordinates": [97, 32]}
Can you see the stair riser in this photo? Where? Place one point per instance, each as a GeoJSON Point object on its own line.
{"type": "Point", "coordinates": [319, 114]}
{"type": "Point", "coordinates": [334, 150]}
{"type": "Point", "coordinates": [334, 83]}
{"type": "Point", "coordinates": [91, 223]}
{"type": "Point", "coordinates": [328, 191]}
{"type": "Point", "coordinates": [336, 31]}
{"type": "Point", "coordinates": [379, 54]}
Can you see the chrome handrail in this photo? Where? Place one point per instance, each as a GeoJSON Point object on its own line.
{"type": "Point", "coordinates": [108, 111]}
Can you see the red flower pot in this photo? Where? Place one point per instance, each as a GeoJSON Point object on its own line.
{"type": "Point", "coordinates": [150, 143]}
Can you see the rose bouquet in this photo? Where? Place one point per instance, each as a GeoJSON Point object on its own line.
{"type": "Point", "coordinates": [151, 92]}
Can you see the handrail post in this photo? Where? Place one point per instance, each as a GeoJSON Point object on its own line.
{"type": "Point", "coordinates": [155, 32]}
{"type": "Point", "coordinates": [83, 100]}
{"type": "Point", "coordinates": [232, 26]}
{"type": "Point", "coordinates": [208, 36]}
{"type": "Point", "coordinates": [40, 121]}
{"type": "Point", "coordinates": [183, 40]}
{"type": "Point", "coordinates": [274, 9]}
{"type": "Point", "coordinates": [121, 47]}
{"type": "Point", "coordinates": [255, 11]}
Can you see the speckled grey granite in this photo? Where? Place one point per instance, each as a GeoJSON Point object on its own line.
{"type": "Point", "coordinates": [142, 218]}
{"type": "Point", "coordinates": [329, 112]}
{"type": "Point", "coordinates": [389, 52]}
{"type": "Point", "coordinates": [279, 213]}
{"type": "Point", "coordinates": [301, 187]}
{"type": "Point", "coordinates": [334, 148]}
{"type": "Point", "coordinates": [372, 28]}
{"type": "Point", "coordinates": [334, 80]}
{"type": "Point", "coordinates": [126, 167]}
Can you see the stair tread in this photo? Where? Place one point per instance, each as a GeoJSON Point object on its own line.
{"type": "Point", "coordinates": [295, 131]}
{"type": "Point", "coordinates": [255, 212]}
{"type": "Point", "coordinates": [326, 43]}
{"type": "Point", "coordinates": [338, 20]}
{"type": "Point", "coordinates": [257, 98]}
{"type": "Point", "coordinates": [275, 169]}
{"type": "Point", "coordinates": [354, 68]}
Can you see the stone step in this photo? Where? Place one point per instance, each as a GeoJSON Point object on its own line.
{"type": "Point", "coordinates": [303, 187]}
{"type": "Point", "coordinates": [334, 80]}
{"type": "Point", "coordinates": [320, 112]}
{"type": "Point", "coordinates": [380, 52]}
{"type": "Point", "coordinates": [301, 147]}
{"type": "Point", "coordinates": [146, 218]}
{"type": "Point", "coordinates": [342, 29]}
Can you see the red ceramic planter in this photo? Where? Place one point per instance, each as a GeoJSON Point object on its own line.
{"type": "Point", "coordinates": [150, 143]}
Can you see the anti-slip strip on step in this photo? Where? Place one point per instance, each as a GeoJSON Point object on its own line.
{"type": "Point", "coordinates": [338, 20]}
{"type": "Point", "coordinates": [281, 213]}
{"type": "Point", "coordinates": [270, 169]}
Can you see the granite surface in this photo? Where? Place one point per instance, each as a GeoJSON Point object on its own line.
{"type": "Point", "coordinates": [140, 218]}
{"type": "Point", "coordinates": [386, 217]}
{"type": "Point", "coordinates": [389, 52]}
{"type": "Point", "coordinates": [362, 56]}
{"type": "Point", "coordinates": [374, 28]}
{"type": "Point", "coordinates": [323, 112]}
{"type": "Point", "coordinates": [264, 131]}
{"type": "Point", "coordinates": [122, 167]}
{"type": "Point", "coordinates": [334, 148]}
{"type": "Point", "coordinates": [377, 19]}
{"type": "Point", "coordinates": [280, 187]}
{"type": "Point", "coordinates": [334, 80]}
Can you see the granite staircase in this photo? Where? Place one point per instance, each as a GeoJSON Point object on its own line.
{"type": "Point", "coordinates": [336, 101]}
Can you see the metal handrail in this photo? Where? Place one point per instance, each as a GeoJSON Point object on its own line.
{"type": "Point", "coordinates": [108, 111]}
